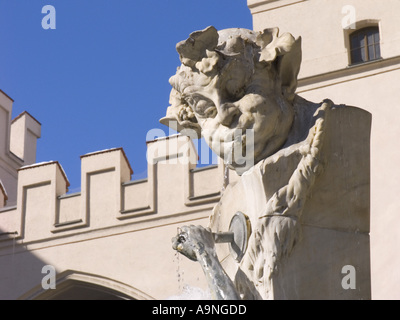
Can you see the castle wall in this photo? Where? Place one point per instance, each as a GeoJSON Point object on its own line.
{"type": "Point", "coordinates": [116, 232]}
{"type": "Point", "coordinates": [114, 228]}
{"type": "Point", "coordinates": [17, 145]}
{"type": "Point", "coordinates": [326, 73]}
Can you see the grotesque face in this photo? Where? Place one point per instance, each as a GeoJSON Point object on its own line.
{"type": "Point", "coordinates": [230, 88]}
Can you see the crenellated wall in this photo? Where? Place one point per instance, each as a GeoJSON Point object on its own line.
{"type": "Point", "coordinates": [17, 147]}
{"type": "Point", "coordinates": [108, 197]}
{"type": "Point", "coordinates": [115, 233]}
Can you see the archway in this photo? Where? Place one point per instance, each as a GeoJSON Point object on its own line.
{"type": "Point", "coordinates": [73, 285]}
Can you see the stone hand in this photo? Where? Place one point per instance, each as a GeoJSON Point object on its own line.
{"type": "Point", "coordinates": [192, 241]}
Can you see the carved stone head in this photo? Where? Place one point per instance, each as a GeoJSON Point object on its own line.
{"type": "Point", "coordinates": [232, 83]}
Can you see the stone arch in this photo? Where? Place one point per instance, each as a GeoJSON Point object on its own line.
{"type": "Point", "coordinates": [76, 285]}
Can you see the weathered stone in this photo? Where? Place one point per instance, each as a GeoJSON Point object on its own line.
{"type": "Point", "coordinates": [304, 166]}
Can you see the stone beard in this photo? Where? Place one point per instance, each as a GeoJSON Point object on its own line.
{"type": "Point", "coordinates": [237, 81]}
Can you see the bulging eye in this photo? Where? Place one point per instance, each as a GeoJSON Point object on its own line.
{"type": "Point", "coordinates": [211, 112]}
{"type": "Point", "coordinates": [202, 106]}
{"type": "Point", "coordinates": [206, 108]}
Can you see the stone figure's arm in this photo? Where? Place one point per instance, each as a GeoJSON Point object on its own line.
{"type": "Point", "coordinates": [197, 243]}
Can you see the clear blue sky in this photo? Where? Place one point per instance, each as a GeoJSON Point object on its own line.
{"type": "Point", "coordinates": [100, 79]}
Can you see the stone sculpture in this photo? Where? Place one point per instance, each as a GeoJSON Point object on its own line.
{"type": "Point", "coordinates": [304, 167]}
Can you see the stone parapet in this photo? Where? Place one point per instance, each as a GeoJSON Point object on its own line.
{"type": "Point", "coordinates": [17, 145]}
{"type": "Point", "coordinates": [174, 187]}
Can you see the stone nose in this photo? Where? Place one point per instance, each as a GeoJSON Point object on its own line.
{"type": "Point", "coordinates": [227, 113]}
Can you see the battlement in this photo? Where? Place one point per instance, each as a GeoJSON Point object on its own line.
{"type": "Point", "coordinates": [110, 226]}
{"type": "Point", "coordinates": [108, 197]}
{"type": "Point", "coordinates": [35, 204]}
{"type": "Point", "coordinates": [17, 146]}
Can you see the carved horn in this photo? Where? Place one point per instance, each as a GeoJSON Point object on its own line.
{"type": "Point", "coordinates": [194, 48]}
{"type": "Point", "coordinates": [287, 51]}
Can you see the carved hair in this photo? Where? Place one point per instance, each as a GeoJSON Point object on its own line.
{"type": "Point", "coordinates": [209, 54]}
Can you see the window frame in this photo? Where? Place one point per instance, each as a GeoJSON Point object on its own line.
{"type": "Point", "coordinates": [364, 48]}
{"type": "Point", "coordinates": [358, 27]}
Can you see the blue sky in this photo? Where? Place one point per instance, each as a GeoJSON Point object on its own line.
{"type": "Point", "coordinates": [100, 79]}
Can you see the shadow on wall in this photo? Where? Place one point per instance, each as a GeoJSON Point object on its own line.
{"type": "Point", "coordinates": [25, 276]}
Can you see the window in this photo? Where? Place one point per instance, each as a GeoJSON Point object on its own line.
{"type": "Point", "coordinates": [364, 45]}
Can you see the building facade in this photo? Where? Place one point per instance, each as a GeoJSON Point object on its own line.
{"type": "Point", "coordinates": [351, 55]}
{"type": "Point", "coordinates": [112, 240]}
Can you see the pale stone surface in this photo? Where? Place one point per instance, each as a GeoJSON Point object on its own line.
{"type": "Point", "coordinates": [90, 248]}
{"type": "Point", "coordinates": [372, 86]}
{"type": "Point", "coordinates": [17, 145]}
{"type": "Point", "coordinates": [311, 173]}
{"type": "Point", "coordinates": [329, 226]}
{"type": "Point", "coordinates": [222, 89]}
{"type": "Point", "coordinates": [98, 239]}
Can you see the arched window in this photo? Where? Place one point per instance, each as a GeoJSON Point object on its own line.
{"type": "Point", "coordinates": [364, 45]}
